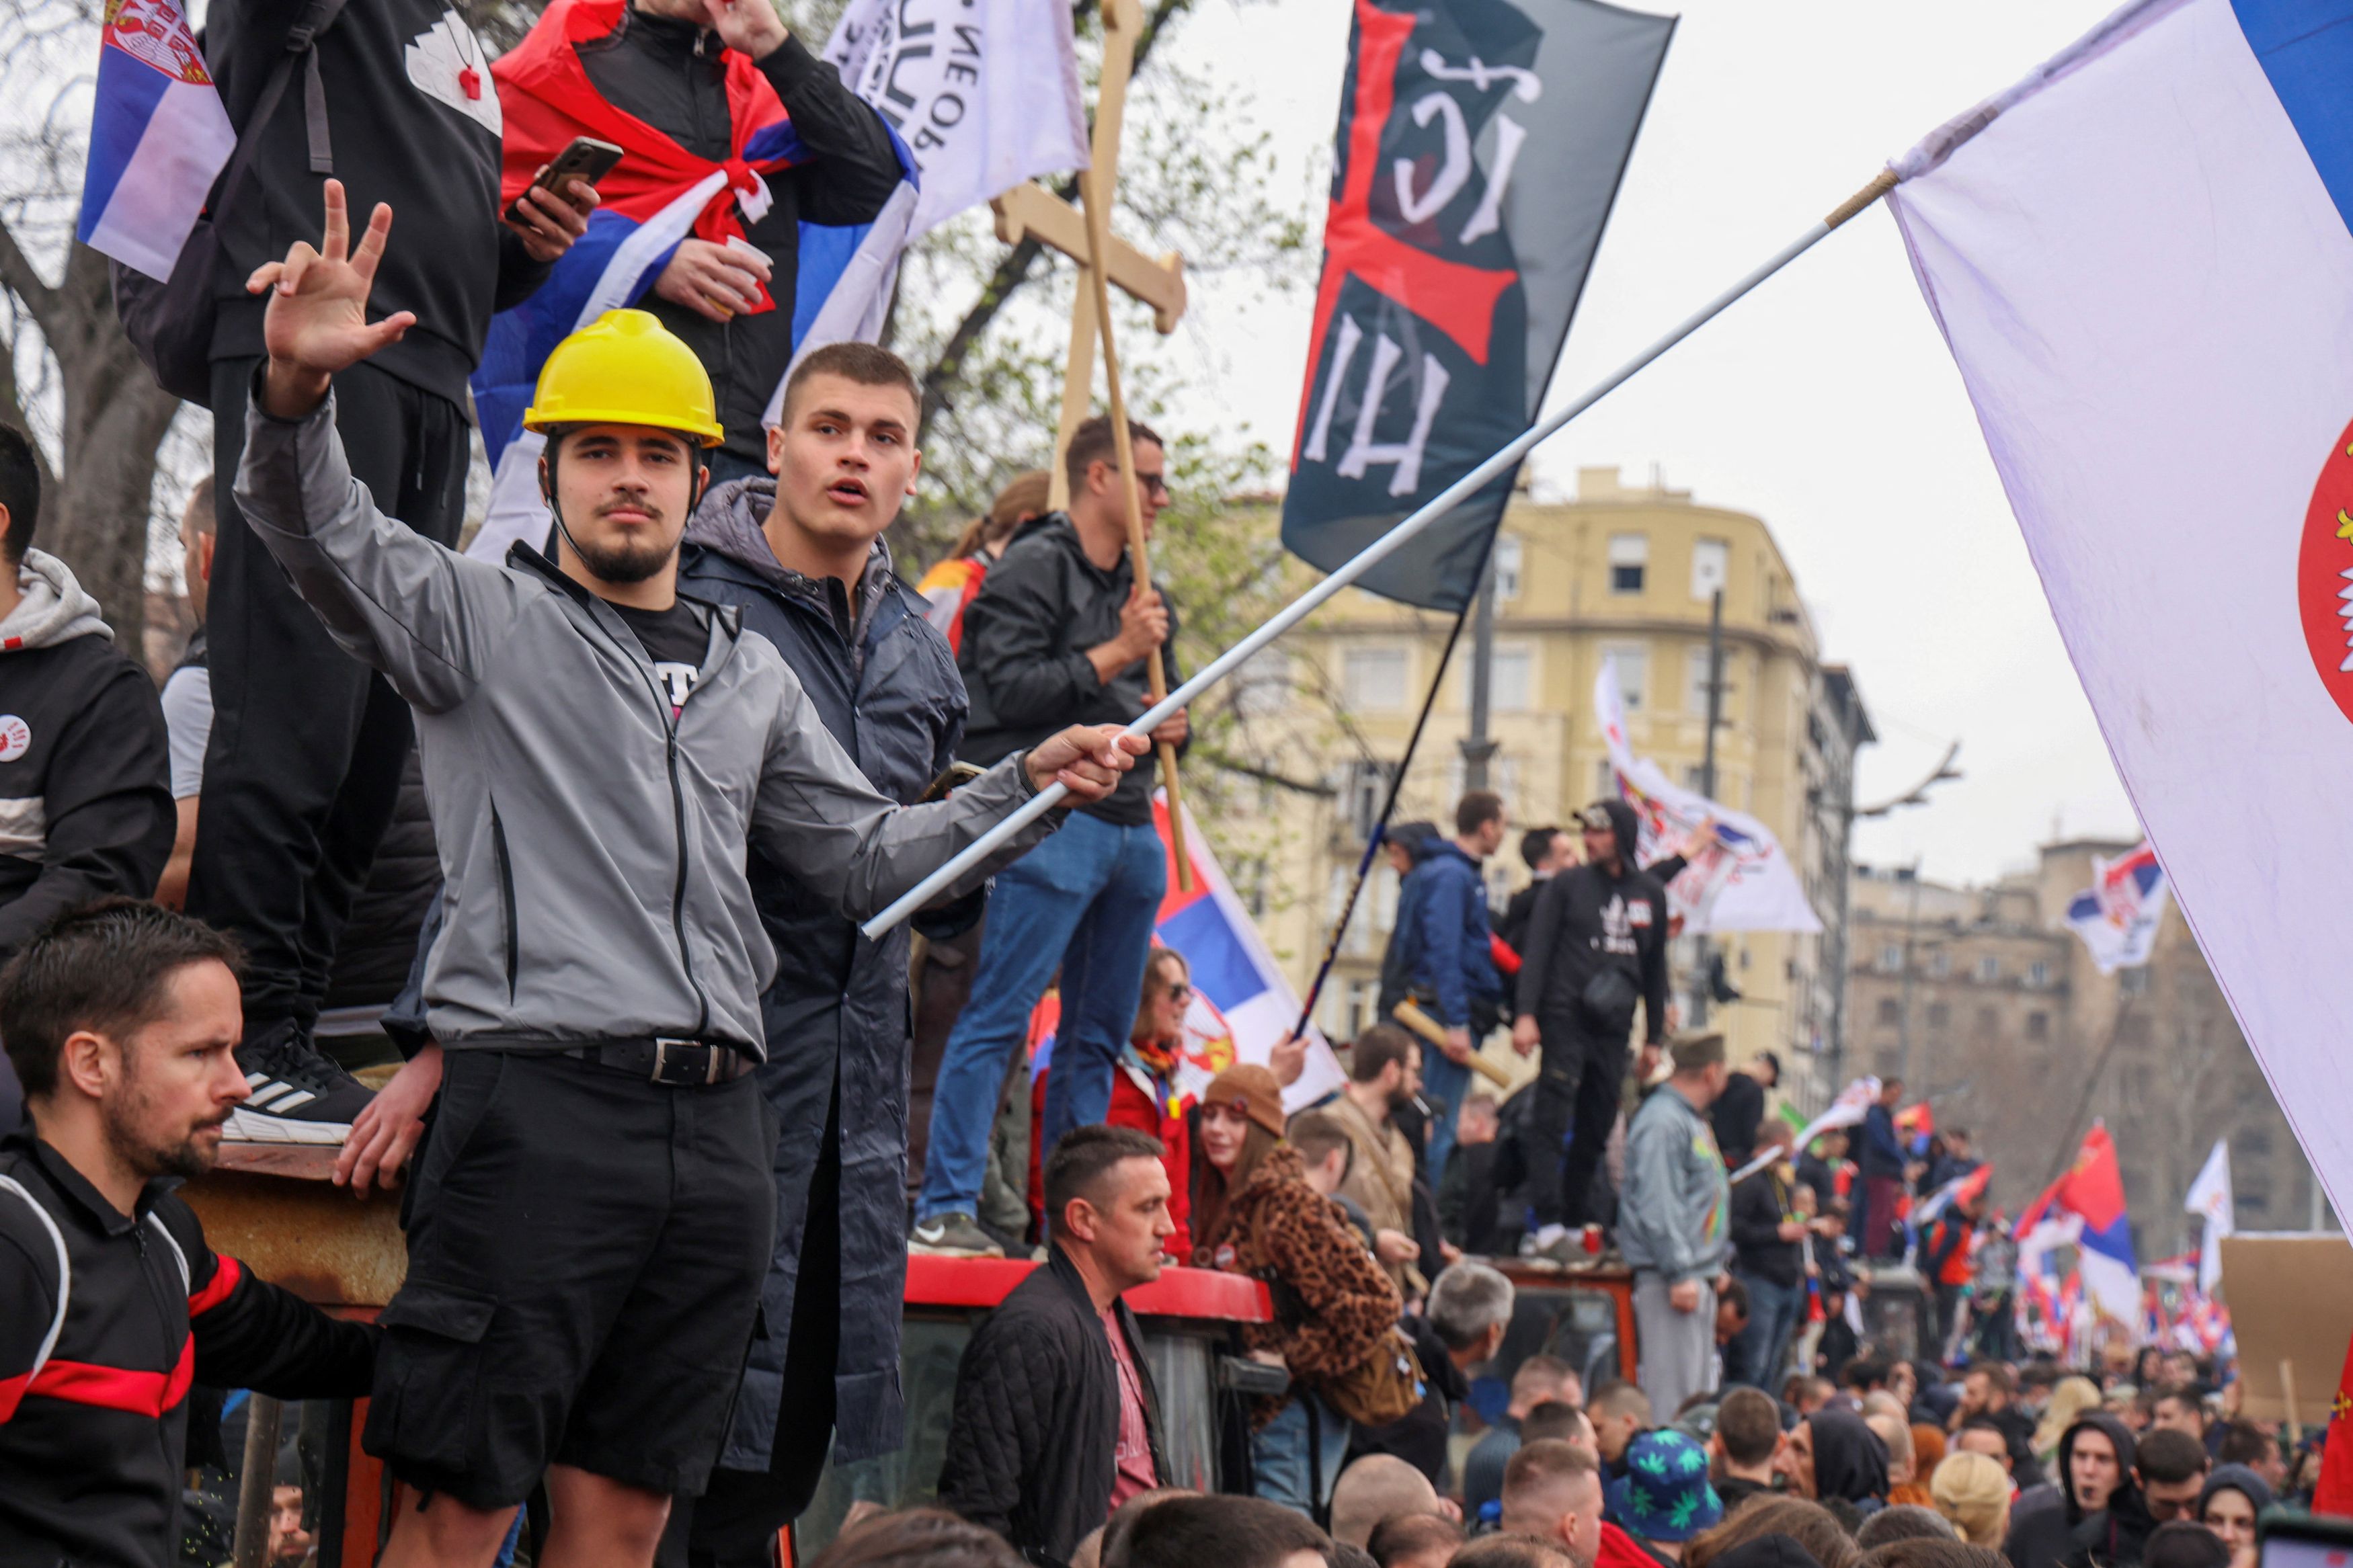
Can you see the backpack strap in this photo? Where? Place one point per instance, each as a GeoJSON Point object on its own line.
{"type": "Point", "coordinates": [65, 1270]}
{"type": "Point", "coordinates": [301, 48]}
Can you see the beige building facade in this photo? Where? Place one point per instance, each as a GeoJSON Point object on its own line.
{"type": "Point", "coordinates": [1991, 1008]}
{"type": "Point", "coordinates": [1627, 574]}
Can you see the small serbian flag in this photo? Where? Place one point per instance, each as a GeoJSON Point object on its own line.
{"type": "Point", "coordinates": [158, 137]}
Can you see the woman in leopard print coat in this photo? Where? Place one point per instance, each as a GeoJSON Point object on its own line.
{"type": "Point", "coordinates": [1257, 1212]}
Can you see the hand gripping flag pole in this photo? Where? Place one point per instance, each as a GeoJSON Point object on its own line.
{"type": "Point", "coordinates": [1438, 506]}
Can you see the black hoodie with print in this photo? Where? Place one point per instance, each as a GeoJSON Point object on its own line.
{"type": "Point", "coordinates": [2064, 1533]}
{"type": "Point", "coordinates": [1588, 920]}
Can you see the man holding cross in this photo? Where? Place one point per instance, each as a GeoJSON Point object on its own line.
{"type": "Point", "coordinates": [1060, 635]}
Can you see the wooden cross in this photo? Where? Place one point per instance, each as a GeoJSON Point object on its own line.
{"type": "Point", "coordinates": [1083, 234]}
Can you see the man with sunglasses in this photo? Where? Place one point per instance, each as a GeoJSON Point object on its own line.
{"type": "Point", "coordinates": [1058, 634]}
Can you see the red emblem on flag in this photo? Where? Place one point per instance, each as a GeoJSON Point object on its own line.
{"type": "Point", "coordinates": [2324, 574]}
{"type": "Point", "coordinates": [155, 33]}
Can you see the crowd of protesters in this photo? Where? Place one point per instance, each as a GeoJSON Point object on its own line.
{"type": "Point", "coordinates": [664, 1157]}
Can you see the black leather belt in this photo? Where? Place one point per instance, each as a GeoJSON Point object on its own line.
{"type": "Point", "coordinates": [681, 1063]}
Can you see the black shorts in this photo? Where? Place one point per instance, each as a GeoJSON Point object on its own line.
{"type": "Point", "coordinates": [585, 1253]}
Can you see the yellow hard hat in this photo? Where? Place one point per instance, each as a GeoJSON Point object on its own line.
{"type": "Point", "coordinates": [625, 368]}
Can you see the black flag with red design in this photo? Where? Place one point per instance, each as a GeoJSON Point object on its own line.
{"type": "Point", "coordinates": [1481, 145]}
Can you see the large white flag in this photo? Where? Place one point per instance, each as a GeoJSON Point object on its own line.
{"type": "Point", "coordinates": [1742, 881]}
{"type": "Point", "coordinates": [985, 93]}
{"type": "Point", "coordinates": [2210, 1199]}
{"type": "Point", "coordinates": [2141, 260]}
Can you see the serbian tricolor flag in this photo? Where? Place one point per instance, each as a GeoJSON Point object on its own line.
{"type": "Point", "coordinates": [158, 138]}
{"type": "Point", "coordinates": [2085, 1208]}
{"type": "Point", "coordinates": [656, 196]}
{"type": "Point", "coordinates": [2118, 915]}
{"type": "Point", "coordinates": [1960, 1190]}
{"type": "Point", "coordinates": [2141, 256]}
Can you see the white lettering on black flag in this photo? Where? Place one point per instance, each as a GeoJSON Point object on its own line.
{"type": "Point", "coordinates": [1481, 145]}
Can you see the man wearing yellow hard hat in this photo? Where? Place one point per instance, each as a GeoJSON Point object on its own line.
{"type": "Point", "coordinates": [591, 1219]}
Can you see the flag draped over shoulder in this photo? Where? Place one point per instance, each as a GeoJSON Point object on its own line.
{"type": "Point", "coordinates": [1742, 881]}
{"type": "Point", "coordinates": [2141, 257]}
{"type": "Point", "coordinates": [658, 196]}
{"type": "Point", "coordinates": [1481, 145]}
{"type": "Point", "coordinates": [158, 138]}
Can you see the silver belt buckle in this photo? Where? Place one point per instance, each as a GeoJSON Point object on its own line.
{"type": "Point", "coordinates": [661, 1058]}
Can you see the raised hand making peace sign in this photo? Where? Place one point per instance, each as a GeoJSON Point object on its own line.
{"type": "Point", "coordinates": [317, 323]}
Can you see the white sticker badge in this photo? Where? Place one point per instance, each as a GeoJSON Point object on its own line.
{"type": "Point", "coordinates": [15, 737]}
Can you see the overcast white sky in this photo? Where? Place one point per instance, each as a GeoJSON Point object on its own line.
{"type": "Point", "coordinates": [1825, 403]}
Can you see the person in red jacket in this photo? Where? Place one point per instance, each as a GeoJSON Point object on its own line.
{"type": "Point", "coordinates": [1143, 1092]}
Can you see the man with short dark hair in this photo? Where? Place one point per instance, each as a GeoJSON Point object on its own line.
{"type": "Point", "coordinates": [1596, 948]}
{"type": "Point", "coordinates": [600, 751]}
{"type": "Point", "coordinates": [1448, 961]}
{"type": "Point", "coordinates": [1747, 1440]}
{"type": "Point", "coordinates": [1620, 1411]}
{"type": "Point", "coordinates": [1553, 1491]}
{"type": "Point", "coordinates": [2244, 1443]}
{"type": "Point", "coordinates": [1739, 1112]}
{"type": "Point", "coordinates": [1060, 633]}
{"type": "Point", "coordinates": [1546, 851]}
{"type": "Point", "coordinates": [121, 1019]}
{"type": "Point", "coordinates": [1672, 1225]}
{"type": "Point", "coordinates": [2170, 1467]}
{"type": "Point", "coordinates": [1882, 1160]}
{"type": "Point", "coordinates": [85, 801]}
{"type": "Point", "coordinates": [1224, 1533]}
{"type": "Point", "coordinates": [1989, 1393]}
{"type": "Point", "coordinates": [801, 556]}
{"type": "Point", "coordinates": [2179, 1409]}
{"type": "Point", "coordinates": [1383, 1078]}
{"type": "Point", "coordinates": [1768, 1241]}
{"type": "Point", "coordinates": [1539, 1380]}
{"type": "Point", "coordinates": [1415, 1541]}
{"type": "Point", "coordinates": [1056, 1421]}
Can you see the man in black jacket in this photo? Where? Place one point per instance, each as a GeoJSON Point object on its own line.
{"type": "Point", "coordinates": [1548, 851]}
{"type": "Point", "coordinates": [1056, 1421]}
{"type": "Point", "coordinates": [1596, 945]}
{"type": "Point", "coordinates": [803, 557]}
{"type": "Point", "coordinates": [303, 768]}
{"type": "Point", "coordinates": [665, 64]}
{"type": "Point", "coordinates": [121, 1019]}
{"type": "Point", "coordinates": [85, 803]}
{"type": "Point", "coordinates": [1058, 636]}
{"type": "Point", "coordinates": [1768, 1258]}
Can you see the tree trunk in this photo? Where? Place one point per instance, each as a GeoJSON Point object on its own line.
{"type": "Point", "coordinates": [94, 516]}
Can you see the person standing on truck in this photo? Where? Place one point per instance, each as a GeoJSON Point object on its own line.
{"type": "Point", "coordinates": [593, 1213]}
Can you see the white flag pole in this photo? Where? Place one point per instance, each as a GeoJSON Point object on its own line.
{"type": "Point", "coordinates": [1378, 550]}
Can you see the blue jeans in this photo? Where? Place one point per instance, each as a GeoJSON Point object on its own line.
{"type": "Point", "coordinates": [1279, 1469]}
{"type": "Point", "coordinates": [1449, 1082]}
{"type": "Point", "coordinates": [1776, 1313]}
{"type": "Point", "coordinates": [1084, 899]}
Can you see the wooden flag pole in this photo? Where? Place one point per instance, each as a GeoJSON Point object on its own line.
{"type": "Point", "coordinates": [1139, 553]}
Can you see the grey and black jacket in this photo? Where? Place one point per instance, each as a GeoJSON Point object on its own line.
{"type": "Point", "coordinates": [1675, 1219]}
{"type": "Point", "coordinates": [883, 683]}
{"type": "Point", "coordinates": [592, 845]}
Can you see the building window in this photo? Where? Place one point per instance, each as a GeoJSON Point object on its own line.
{"type": "Point", "coordinates": [1940, 963]}
{"type": "Point", "coordinates": [1891, 1011]}
{"type": "Point", "coordinates": [1988, 1022]}
{"type": "Point", "coordinates": [2038, 973]}
{"type": "Point", "coordinates": [1511, 679]}
{"type": "Point", "coordinates": [2038, 1026]}
{"type": "Point", "coordinates": [1507, 566]}
{"type": "Point", "coordinates": [1629, 554]}
{"type": "Point", "coordinates": [2133, 982]}
{"type": "Point", "coordinates": [1696, 668]}
{"type": "Point", "coordinates": [1711, 567]}
{"type": "Point", "coordinates": [1605, 780]}
{"type": "Point", "coordinates": [1633, 663]}
{"type": "Point", "coordinates": [1372, 680]}
{"type": "Point", "coordinates": [1696, 778]}
{"type": "Point", "coordinates": [1940, 1014]}
{"type": "Point", "coordinates": [1988, 968]}
{"type": "Point", "coordinates": [2255, 1144]}
{"type": "Point", "coordinates": [1891, 959]}
{"type": "Point", "coordinates": [1368, 788]}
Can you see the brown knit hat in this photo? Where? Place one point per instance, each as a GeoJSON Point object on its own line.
{"type": "Point", "coordinates": [1252, 1090]}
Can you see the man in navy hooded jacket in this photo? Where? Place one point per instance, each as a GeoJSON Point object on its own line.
{"type": "Point", "coordinates": [1450, 964]}
{"type": "Point", "coordinates": [803, 556]}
